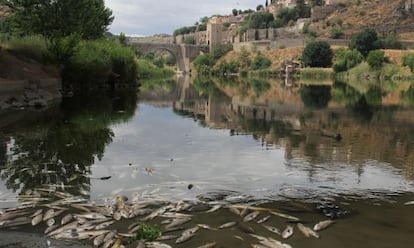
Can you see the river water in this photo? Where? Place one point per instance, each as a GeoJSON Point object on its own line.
{"type": "Point", "coordinates": [317, 151]}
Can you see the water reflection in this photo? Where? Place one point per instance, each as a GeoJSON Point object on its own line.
{"type": "Point", "coordinates": [56, 154]}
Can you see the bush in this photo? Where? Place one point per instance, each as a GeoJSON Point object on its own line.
{"type": "Point", "coordinates": [347, 59]}
{"type": "Point", "coordinates": [375, 59]}
{"type": "Point", "coordinates": [101, 61]}
{"type": "Point", "coordinates": [317, 54]}
{"type": "Point", "coordinates": [189, 40]}
{"type": "Point", "coordinates": [392, 41]}
{"type": "Point", "coordinates": [408, 60]}
{"type": "Point", "coordinates": [260, 62]}
{"type": "Point", "coordinates": [365, 41]}
{"type": "Point", "coordinates": [336, 33]}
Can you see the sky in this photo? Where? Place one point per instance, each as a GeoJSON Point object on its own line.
{"type": "Point", "coordinates": [149, 17]}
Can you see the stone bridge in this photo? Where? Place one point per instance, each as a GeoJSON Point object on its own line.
{"type": "Point", "coordinates": [183, 53]}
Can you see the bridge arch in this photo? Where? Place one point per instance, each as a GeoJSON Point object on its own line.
{"type": "Point", "coordinates": [184, 54]}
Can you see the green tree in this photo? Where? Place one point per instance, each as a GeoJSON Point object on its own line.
{"type": "Point", "coordinates": [317, 54]}
{"type": "Point", "coordinates": [365, 41]}
{"type": "Point", "coordinates": [408, 60]}
{"type": "Point", "coordinates": [61, 18]}
{"type": "Point", "coordinates": [375, 59]}
{"type": "Point", "coordinates": [261, 62]}
{"type": "Point", "coordinates": [346, 59]}
{"type": "Point", "coordinates": [235, 12]}
{"type": "Point", "coordinates": [302, 9]}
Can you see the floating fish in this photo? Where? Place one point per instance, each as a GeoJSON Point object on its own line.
{"type": "Point", "coordinates": [307, 231]}
{"type": "Point", "coordinates": [204, 226]}
{"type": "Point", "coordinates": [323, 225]}
{"type": "Point", "coordinates": [409, 203]}
{"type": "Point", "coordinates": [99, 240]}
{"type": "Point", "coordinates": [37, 219]}
{"type": "Point", "coordinates": [178, 222]}
{"type": "Point", "coordinates": [214, 208]}
{"type": "Point", "coordinates": [167, 237]}
{"type": "Point", "coordinates": [228, 224]}
{"type": "Point", "coordinates": [184, 237]}
{"type": "Point", "coordinates": [272, 229]}
{"type": "Point", "coordinates": [209, 245]}
{"type": "Point", "coordinates": [251, 216]}
{"type": "Point", "coordinates": [38, 212]}
{"type": "Point", "coordinates": [263, 220]}
{"type": "Point", "coordinates": [156, 245]}
{"type": "Point", "coordinates": [50, 222]}
{"type": "Point", "coordinates": [288, 232]}
{"type": "Point", "coordinates": [92, 216]}
{"type": "Point", "coordinates": [65, 219]}
{"type": "Point", "coordinates": [104, 225]}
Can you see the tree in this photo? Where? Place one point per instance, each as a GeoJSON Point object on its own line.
{"type": "Point", "coordinates": [317, 54]}
{"type": "Point", "coordinates": [365, 41]}
{"type": "Point", "coordinates": [302, 9]}
{"type": "Point", "coordinates": [375, 59]}
{"type": "Point", "coordinates": [235, 12]}
{"type": "Point", "coordinates": [61, 18]}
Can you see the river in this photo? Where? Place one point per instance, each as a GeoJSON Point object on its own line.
{"type": "Point", "coordinates": [314, 151]}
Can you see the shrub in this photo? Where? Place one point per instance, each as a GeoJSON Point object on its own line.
{"type": "Point", "coordinates": [365, 41]}
{"type": "Point", "coordinates": [375, 59]}
{"type": "Point", "coordinates": [99, 61]}
{"type": "Point", "coordinates": [336, 33]}
{"type": "Point", "coordinates": [392, 41]}
{"type": "Point", "coordinates": [317, 54]}
{"type": "Point", "coordinates": [260, 62]}
{"type": "Point", "coordinates": [408, 60]}
{"type": "Point", "coordinates": [189, 40]}
{"type": "Point", "coordinates": [347, 59]}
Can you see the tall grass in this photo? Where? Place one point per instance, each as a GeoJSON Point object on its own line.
{"type": "Point", "coordinates": [101, 61]}
{"type": "Point", "coordinates": [148, 70]}
{"type": "Point", "coordinates": [33, 47]}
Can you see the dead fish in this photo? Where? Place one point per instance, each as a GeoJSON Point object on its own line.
{"type": "Point", "coordinates": [140, 212]}
{"type": "Point", "coordinates": [167, 237]}
{"type": "Point", "coordinates": [228, 224]}
{"type": "Point", "coordinates": [117, 216]}
{"type": "Point", "coordinates": [272, 229]}
{"type": "Point", "coordinates": [244, 212]}
{"type": "Point", "coordinates": [109, 236]}
{"type": "Point", "coordinates": [49, 214]}
{"type": "Point", "coordinates": [37, 219]}
{"type": "Point", "coordinates": [323, 225]}
{"type": "Point", "coordinates": [104, 225]}
{"type": "Point", "coordinates": [288, 232]}
{"type": "Point", "coordinates": [38, 212]}
{"type": "Point", "coordinates": [409, 203]}
{"type": "Point", "coordinates": [209, 245]}
{"type": "Point", "coordinates": [184, 237]}
{"type": "Point", "coordinates": [177, 222]}
{"type": "Point", "coordinates": [154, 214]}
{"type": "Point", "coordinates": [141, 244]}
{"type": "Point", "coordinates": [92, 216]}
{"type": "Point", "coordinates": [51, 228]}
{"type": "Point", "coordinates": [191, 230]}
{"type": "Point", "coordinates": [213, 209]}
{"type": "Point", "coordinates": [238, 237]}
{"type": "Point", "coordinates": [263, 220]}
{"type": "Point", "coordinates": [251, 216]}
{"type": "Point", "coordinates": [66, 219]}
{"type": "Point", "coordinates": [234, 210]}
{"type": "Point", "coordinates": [204, 226]}
{"type": "Point", "coordinates": [307, 231]}
{"type": "Point", "coordinates": [68, 226]}
{"type": "Point", "coordinates": [124, 213]}
{"type": "Point", "coordinates": [286, 216]}
{"type": "Point", "coordinates": [156, 245]}
{"type": "Point", "coordinates": [50, 222]}
{"type": "Point", "coordinates": [246, 229]}
{"type": "Point", "coordinates": [99, 240]}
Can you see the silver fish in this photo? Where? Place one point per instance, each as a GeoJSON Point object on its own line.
{"type": "Point", "coordinates": [99, 240]}
{"type": "Point", "coordinates": [104, 225]}
{"type": "Point", "coordinates": [323, 225]}
{"type": "Point", "coordinates": [178, 222]}
{"type": "Point", "coordinates": [204, 226]}
{"type": "Point", "coordinates": [93, 216]}
{"type": "Point", "coordinates": [68, 226]}
{"type": "Point", "coordinates": [263, 220]}
{"type": "Point", "coordinates": [167, 237]}
{"type": "Point", "coordinates": [307, 231]}
{"type": "Point", "coordinates": [251, 216]}
{"type": "Point", "coordinates": [141, 244]}
{"type": "Point", "coordinates": [209, 245]}
{"type": "Point", "coordinates": [49, 214]}
{"type": "Point", "coordinates": [213, 209]}
{"type": "Point", "coordinates": [288, 232]}
{"type": "Point", "coordinates": [184, 237]}
{"type": "Point", "coordinates": [51, 228]}
{"type": "Point", "coordinates": [409, 203]}
{"type": "Point", "coordinates": [227, 225]}
{"type": "Point", "coordinates": [156, 245]}
{"type": "Point", "coordinates": [37, 219]}
{"type": "Point", "coordinates": [234, 210]}
{"type": "Point", "coordinates": [66, 219]}
{"type": "Point", "coordinates": [272, 229]}
{"type": "Point", "coordinates": [39, 211]}
{"type": "Point", "coordinates": [117, 216]}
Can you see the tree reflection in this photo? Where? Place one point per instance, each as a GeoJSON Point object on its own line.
{"type": "Point", "coordinates": [57, 154]}
{"type": "Point", "coordinates": [316, 96]}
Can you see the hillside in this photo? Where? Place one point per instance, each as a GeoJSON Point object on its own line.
{"type": "Point", "coordinates": [386, 16]}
